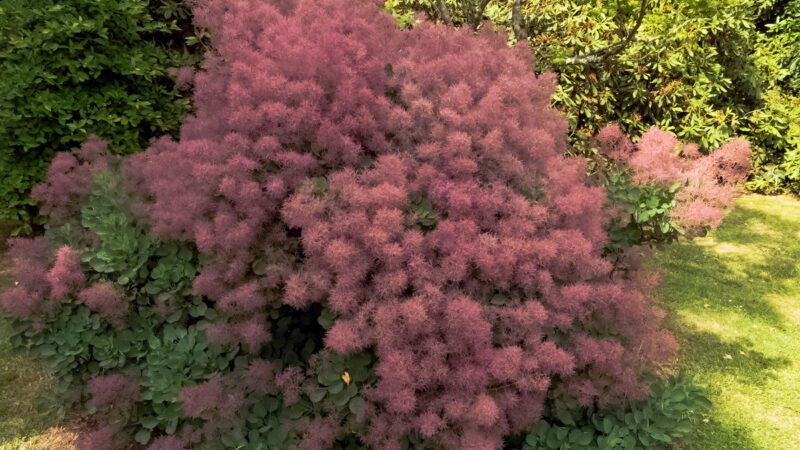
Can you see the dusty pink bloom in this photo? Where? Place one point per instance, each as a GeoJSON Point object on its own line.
{"type": "Point", "coordinates": [201, 399]}
{"type": "Point", "coordinates": [319, 435]}
{"type": "Point", "coordinates": [30, 261]}
{"type": "Point", "coordinates": [288, 383]}
{"type": "Point", "coordinates": [614, 143]}
{"type": "Point", "coordinates": [184, 76]}
{"type": "Point", "coordinates": [107, 299]}
{"type": "Point", "coordinates": [103, 438]}
{"type": "Point", "coordinates": [69, 179]}
{"type": "Point", "coordinates": [169, 443]}
{"type": "Point", "coordinates": [259, 377]}
{"type": "Point", "coordinates": [65, 277]}
{"type": "Point", "coordinates": [113, 392]}
{"type": "Point", "coordinates": [296, 179]}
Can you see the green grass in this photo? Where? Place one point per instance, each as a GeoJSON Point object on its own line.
{"type": "Point", "coordinates": [25, 419]}
{"type": "Point", "coordinates": [734, 299]}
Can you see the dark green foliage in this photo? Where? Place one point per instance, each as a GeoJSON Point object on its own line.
{"type": "Point", "coordinates": [422, 213]}
{"type": "Point", "coordinates": [78, 67]}
{"type": "Point", "coordinates": [774, 128]}
{"type": "Point", "coordinates": [779, 21]}
{"type": "Point", "coordinates": [681, 73]}
{"type": "Point", "coordinates": [666, 416]}
{"type": "Point", "coordinates": [775, 133]}
{"type": "Point", "coordinates": [641, 213]}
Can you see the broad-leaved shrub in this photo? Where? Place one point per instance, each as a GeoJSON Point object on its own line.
{"type": "Point", "coordinates": [668, 415]}
{"type": "Point", "coordinates": [69, 68]}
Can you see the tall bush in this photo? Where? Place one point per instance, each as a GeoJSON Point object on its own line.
{"type": "Point", "coordinates": [775, 127]}
{"type": "Point", "coordinates": [69, 68]}
{"type": "Point", "coordinates": [363, 236]}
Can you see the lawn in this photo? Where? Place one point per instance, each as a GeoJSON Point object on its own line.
{"type": "Point", "coordinates": [25, 419]}
{"type": "Point", "coordinates": [734, 299]}
{"type": "Point", "coordinates": [734, 303]}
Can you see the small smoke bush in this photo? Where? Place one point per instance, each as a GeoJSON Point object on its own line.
{"type": "Point", "coordinates": [69, 179]}
{"type": "Point", "coordinates": [106, 299]}
{"type": "Point", "coordinates": [413, 184]}
{"type": "Point", "coordinates": [709, 184]}
{"type": "Point", "coordinates": [103, 438]}
{"type": "Point", "coordinates": [115, 392]}
{"type": "Point", "coordinates": [66, 276]}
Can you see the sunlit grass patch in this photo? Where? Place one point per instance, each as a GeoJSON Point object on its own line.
{"type": "Point", "coordinates": [735, 303]}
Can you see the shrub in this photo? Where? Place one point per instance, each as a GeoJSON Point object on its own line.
{"type": "Point", "coordinates": [349, 245]}
{"type": "Point", "coordinates": [779, 49]}
{"type": "Point", "coordinates": [665, 417]}
{"type": "Point", "coordinates": [775, 133]}
{"type": "Point", "coordinates": [69, 68]}
{"type": "Point", "coordinates": [705, 187]}
{"type": "Point", "coordinates": [640, 213]}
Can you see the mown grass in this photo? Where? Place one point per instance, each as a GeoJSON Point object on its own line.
{"type": "Point", "coordinates": [734, 299]}
{"type": "Point", "coordinates": [26, 421]}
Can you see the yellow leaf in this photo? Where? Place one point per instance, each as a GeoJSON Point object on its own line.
{"type": "Point", "coordinates": [346, 378]}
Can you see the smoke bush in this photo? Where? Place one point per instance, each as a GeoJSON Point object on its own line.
{"type": "Point", "coordinates": [392, 244]}
{"type": "Point", "coordinates": [298, 178]}
{"type": "Point", "coordinates": [106, 299]}
{"type": "Point", "coordinates": [709, 184]}
{"type": "Point", "coordinates": [69, 179]}
{"type": "Point", "coordinates": [113, 392]}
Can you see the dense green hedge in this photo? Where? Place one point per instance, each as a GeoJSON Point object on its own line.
{"type": "Point", "coordinates": [69, 68]}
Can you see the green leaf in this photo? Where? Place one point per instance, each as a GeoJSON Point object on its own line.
{"type": "Point", "coordinates": [149, 422]}
{"type": "Point", "coordinates": [357, 405]}
{"type": "Point", "coordinates": [565, 417]}
{"type": "Point", "coordinates": [317, 395]}
{"type": "Point", "coordinates": [581, 437]}
{"type": "Point", "coordinates": [142, 436]}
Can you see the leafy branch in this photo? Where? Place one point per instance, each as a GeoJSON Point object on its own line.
{"type": "Point", "coordinates": [602, 55]}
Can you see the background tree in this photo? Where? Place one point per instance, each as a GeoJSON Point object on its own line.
{"type": "Point", "coordinates": [75, 67]}
{"type": "Point", "coordinates": [682, 66]}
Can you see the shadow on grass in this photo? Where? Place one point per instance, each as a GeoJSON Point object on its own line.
{"type": "Point", "coordinates": [737, 359]}
{"type": "Point", "coordinates": [26, 400]}
{"type": "Point", "coordinates": [714, 286]}
{"type": "Point", "coordinates": [715, 435]}
{"type": "Point", "coordinates": [706, 352]}
{"type": "Point", "coordinates": [738, 269]}
{"type": "Point", "coordinates": [728, 294]}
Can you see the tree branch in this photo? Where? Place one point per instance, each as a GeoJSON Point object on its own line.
{"type": "Point", "coordinates": [444, 12]}
{"type": "Point", "coordinates": [477, 16]}
{"type": "Point", "coordinates": [516, 21]}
